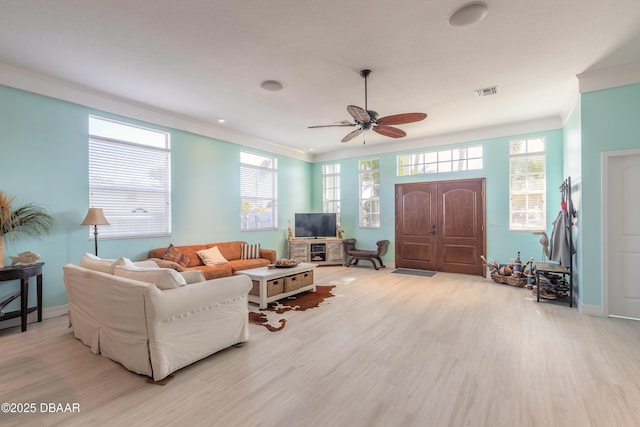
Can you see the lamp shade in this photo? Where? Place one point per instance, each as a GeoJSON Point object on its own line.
{"type": "Point", "coordinates": [95, 216]}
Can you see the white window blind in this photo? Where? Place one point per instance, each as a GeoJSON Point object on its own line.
{"type": "Point", "coordinates": [370, 193]}
{"type": "Point", "coordinates": [331, 189]}
{"type": "Point", "coordinates": [258, 192]}
{"type": "Point", "coordinates": [130, 178]}
{"type": "Point", "coordinates": [527, 184]}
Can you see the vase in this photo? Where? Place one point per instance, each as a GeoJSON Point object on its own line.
{"type": "Point", "coordinates": [1, 250]}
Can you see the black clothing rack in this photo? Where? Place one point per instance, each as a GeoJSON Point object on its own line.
{"type": "Point", "coordinates": [558, 269]}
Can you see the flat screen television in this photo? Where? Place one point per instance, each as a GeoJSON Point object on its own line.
{"type": "Point", "coordinates": [314, 225]}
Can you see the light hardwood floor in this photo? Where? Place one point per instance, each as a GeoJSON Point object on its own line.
{"type": "Point", "coordinates": [388, 350]}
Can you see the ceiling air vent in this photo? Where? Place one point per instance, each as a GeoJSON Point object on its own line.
{"type": "Point", "coordinates": [487, 91]}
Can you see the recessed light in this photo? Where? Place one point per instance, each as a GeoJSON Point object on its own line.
{"type": "Point", "coordinates": [311, 149]}
{"type": "Point", "coordinates": [468, 14]}
{"type": "Point", "coordinates": [221, 120]}
{"type": "Point", "coordinates": [271, 85]}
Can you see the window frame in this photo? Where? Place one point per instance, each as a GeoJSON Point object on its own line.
{"type": "Point", "coordinates": [430, 162]}
{"type": "Point", "coordinates": [529, 193]}
{"type": "Point", "coordinates": [331, 176]}
{"type": "Point", "coordinates": [374, 199]}
{"type": "Point", "coordinates": [271, 171]}
{"type": "Point", "coordinates": [119, 152]}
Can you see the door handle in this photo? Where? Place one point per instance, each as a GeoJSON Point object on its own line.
{"type": "Point", "coordinates": [433, 229]}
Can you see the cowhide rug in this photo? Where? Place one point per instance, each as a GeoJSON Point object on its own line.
{"type": "Point", "coordinates": [275, 316]}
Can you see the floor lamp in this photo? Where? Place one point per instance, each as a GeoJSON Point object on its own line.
{"type": "Point", "coordinates": [95, 217]}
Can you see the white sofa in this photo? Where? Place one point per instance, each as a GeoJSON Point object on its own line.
{"type": "Point", "coordinates": [151, 331]}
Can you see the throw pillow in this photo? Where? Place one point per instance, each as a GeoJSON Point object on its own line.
{"type": "Point", "coordinates": [163, 278]}
{"type": "Point", "coordinates": [93, 262]}
{"type": "Point", "coordinates": [250, 251]}
{"type": "Point", "coordinates": [211, 256]}
{"type": "Point", "coordinates": [165, 263]}
{"type": "Point", "coordinates": [173, 254]}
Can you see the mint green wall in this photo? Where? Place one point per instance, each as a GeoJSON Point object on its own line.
{"type": "Point", "coordinates": [44, 160]}
{"type": "Point", "coordinates": [572, 136]}
{"type": "Point", "coordinates": [609, 123]}
{"type": "Point", "coordinates": [502, 244]}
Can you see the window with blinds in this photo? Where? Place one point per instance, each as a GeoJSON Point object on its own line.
{"type": "Point", "coordinates": [527, 184]}
{"type": "Point", "coordinates": [369, 171]}
{"type": "Point", "coordinates": [258, 192]}
{"type": "Point", "coordinates": [130, 178]}
{"type": "Point", "coordinates": [331, 189]}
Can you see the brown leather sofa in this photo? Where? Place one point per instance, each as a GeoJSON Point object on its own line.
{"type": "Point", "coordinates": [232, 251]}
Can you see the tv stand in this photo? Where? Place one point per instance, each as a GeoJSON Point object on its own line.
{"type": "Point", "coordinates": [318, 250]}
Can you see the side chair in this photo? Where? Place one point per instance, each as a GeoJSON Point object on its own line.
{"type": "Point", "coordinates": [354, 254]}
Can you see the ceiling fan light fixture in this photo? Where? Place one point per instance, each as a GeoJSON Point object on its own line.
{"type": "Point", "coordinates": [468, 14]}
{"type": "Point", "coordinates": [271, 85]}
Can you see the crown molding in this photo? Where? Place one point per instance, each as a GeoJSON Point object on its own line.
{"type": "Point", "coordinates": [29, 81]}
{"type": "Point", "coordinates": [607, 78]}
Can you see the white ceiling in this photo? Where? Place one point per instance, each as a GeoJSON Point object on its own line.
{"type": "Point", "coordinates": [203, 60]}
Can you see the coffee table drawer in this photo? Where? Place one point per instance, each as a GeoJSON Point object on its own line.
{"type": "Point", "coordinates": [291, 283]}
{"type": "Point", "coordinates": [274, 287]}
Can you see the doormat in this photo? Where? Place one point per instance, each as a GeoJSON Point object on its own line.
{"type": "Point", "coordinates": [425, 273]}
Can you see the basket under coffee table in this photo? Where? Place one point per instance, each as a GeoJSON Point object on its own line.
{"type": "Point", "coordinates": [272, 284]}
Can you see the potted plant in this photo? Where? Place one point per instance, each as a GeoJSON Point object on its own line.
{"type": "Point", "coordinates": [29, 219]}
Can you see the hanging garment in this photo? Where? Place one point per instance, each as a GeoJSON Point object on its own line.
{"type": "Point", "coordinates": [562, 249]}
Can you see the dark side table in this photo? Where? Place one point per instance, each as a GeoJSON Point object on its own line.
{"type": "Point", "coordinates": [23, 273]}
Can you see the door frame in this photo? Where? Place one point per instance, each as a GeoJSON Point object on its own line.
{"type": "Point", "coordinates": [606, 159]}
{"type": "Point", "coordinates": [483, 208]}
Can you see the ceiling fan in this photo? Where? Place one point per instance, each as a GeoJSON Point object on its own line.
{"type": "Point", "coordinates": [368, 119]}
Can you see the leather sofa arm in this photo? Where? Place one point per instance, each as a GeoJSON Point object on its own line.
{"type": "Point", "coordinates": [269, 254]}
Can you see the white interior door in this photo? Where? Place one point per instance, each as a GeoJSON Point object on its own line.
{"type": "Point", "coordinates": [623, 235]}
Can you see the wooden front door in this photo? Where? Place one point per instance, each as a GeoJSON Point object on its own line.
{"type": "Point", "coordinates": [440, 226]}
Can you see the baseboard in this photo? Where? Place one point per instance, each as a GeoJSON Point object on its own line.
{"type": "Point", "coordinates": [590, 310]}
{"type": "Point", "coordinates": [47, 313]}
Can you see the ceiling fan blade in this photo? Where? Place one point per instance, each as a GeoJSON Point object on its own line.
{"type": "Point", "coordinates": [332, 126]}
{"type": "Point", "coordinates": [352, 135]}
{"type": "Point", "coordinates": [359, 114]}
{"type": "Point", "coordinates": [389, 131]}
{"type": "Point", "coordinates": [399, 119]}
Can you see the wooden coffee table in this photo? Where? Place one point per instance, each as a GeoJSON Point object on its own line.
{"type": "Point", "coordinates": [263, 275]}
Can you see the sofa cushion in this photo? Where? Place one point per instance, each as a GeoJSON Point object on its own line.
{"type": "Point", "coordinates": [176, 255]}
{"type": "Point", "coordinates": [163, 278]}
{"type": "Point", "coordinates": [193, 276]}
{"type": "Point", "coordinates": [165, 263]}
{"type": "Point", "coordinates": [214, 271]}
{"type": "Point", "coordinates": [212, 256]}
{"type": "Point", "coordinates": [250, 251]}
{"type": "Point", "coordinates": [93, 262]}
{"type": "Point", "coordinates": [229, 250]}
{"type": "Point", "coordinates": [246, 264]}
